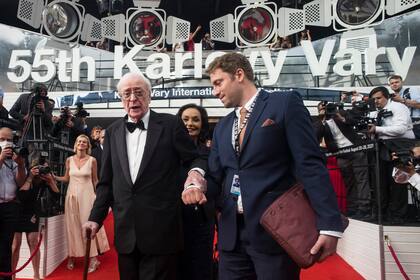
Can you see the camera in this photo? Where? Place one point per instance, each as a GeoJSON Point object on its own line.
{"type": "Point", "coordinates": [20, 151]}
{"type": "Point", "coordinates": [404, 158]}
{"type": "Point", "coordinates": [360, 111]}
{"type": "Point", "coordinates": [331, 109]}
{"type": "Point", "coordinates": [65, 115]}
{"type": "Point", "coordinates": [44, 170]}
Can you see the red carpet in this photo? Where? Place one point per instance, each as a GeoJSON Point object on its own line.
{"type": "Point", "coordinates": [334, 268]}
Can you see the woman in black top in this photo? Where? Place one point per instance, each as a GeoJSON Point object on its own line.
{"type": "Point", "coordinates": [30, 195]}
{"type": "Point", "coordinates": [196, 261]}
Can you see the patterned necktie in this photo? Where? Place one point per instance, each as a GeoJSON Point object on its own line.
{"type": "Point", "coordinates": [243, 113]}
{"type": "Point", "coordinates": [132, 126]}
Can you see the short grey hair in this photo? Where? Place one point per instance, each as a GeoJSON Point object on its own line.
{"type": "Point", "coordinates": [135, 75]}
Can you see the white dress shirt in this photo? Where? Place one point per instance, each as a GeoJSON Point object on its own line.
{"type": "Point", "coordinates": [398, 125]}
{"type": "Point", "coordinates": [247, 106]}
{"type": "Point", "coordinates": [136, 142]}
{"type": "Point", "coordinates": [338, 136]}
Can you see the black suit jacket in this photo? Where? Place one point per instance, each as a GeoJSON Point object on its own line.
{"type": "Point", "coordinates": [97, 154]}
{"type": "Point", "coordinates": [147, 213]}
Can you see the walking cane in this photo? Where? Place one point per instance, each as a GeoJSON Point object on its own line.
{"type": "Point", "coordinates": [87, 253]}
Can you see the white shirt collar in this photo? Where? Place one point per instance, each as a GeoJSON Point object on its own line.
{"type": "Point", "coordinates": [145, 119]}
{"type": "Point", "coordinates": [247, 104]}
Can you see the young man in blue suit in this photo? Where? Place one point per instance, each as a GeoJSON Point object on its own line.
{"type": "Point", "coordinates": [258, 152]}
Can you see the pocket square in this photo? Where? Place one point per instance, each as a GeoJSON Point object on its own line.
{"type": "Point", "coordinates": [268, 122]}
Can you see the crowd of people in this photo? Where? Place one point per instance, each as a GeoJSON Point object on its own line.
{"type": "Point", "coordinates": [170, 184]}
{"type": "Point", "coordinates": [389, 117]}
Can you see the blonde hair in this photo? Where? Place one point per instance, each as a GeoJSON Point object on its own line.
{"type": "Point", "coordinates": [89, 145]}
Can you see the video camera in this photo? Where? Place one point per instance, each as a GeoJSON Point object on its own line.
{"type": "Point", "coordinates": [20, 151]}
{"type": "Point", "coordinates": [405, 158]}
{"type": "Point", "coordinates": [360, 111]}
{"type": "Point", "coordinates": [43, 170]}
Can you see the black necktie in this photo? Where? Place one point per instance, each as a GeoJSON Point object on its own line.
{"type": "Point", "coordinates": [132, 126]}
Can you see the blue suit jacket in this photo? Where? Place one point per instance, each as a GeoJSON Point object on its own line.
{"type": "Point", "coordinates": [271, 160]}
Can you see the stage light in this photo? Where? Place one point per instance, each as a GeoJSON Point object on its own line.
{"type": "Point", "coordinates": [62, 20]}
{"type": "Point", "coordinates": [350, 14]}
{"type": "Point", "coordinates": [147, 26]}
{"type": "Point", "coordinates": [290, 21]}
{"type": "Point", "coordinates": [253, 25]}
{"type": "Point", "coordinates": [397, 6]}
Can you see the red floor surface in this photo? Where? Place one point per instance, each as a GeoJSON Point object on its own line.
{"type": "Point", "coordinates": [334, 268]}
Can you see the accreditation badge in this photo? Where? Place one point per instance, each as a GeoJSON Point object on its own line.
{"type": "Point", "coordinates": [235, 189]}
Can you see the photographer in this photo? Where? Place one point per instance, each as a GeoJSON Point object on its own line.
{"type": "Point", "coordinates": [31, 105]}
{"type": "Point", "coordinates": [12, 176]}
{"type": "Point", "coordinates": [393, 118]}
{"type": "Point", "coordinates": [68, 124]}
{"type": "Point", "coordinates": [338, 133]}
{"type": "Point", "coordinates": [410, 97]}
{"type": "Point", "coordinates": [407, 170]}
{"type": "Point", "coordinates": [4, 114]}
{"type": "Point", "coordinates": [393, 123]}
{"type": "Point", "coordinates": [33, 196]}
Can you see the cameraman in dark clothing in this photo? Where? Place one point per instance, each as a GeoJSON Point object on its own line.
{"type": "Point", "coordinates": [30, 106]}
{"type": "Point", "coordinates": [33, 196]}
{"type": "Point", "coordinates": [68, 127]}
{"type": "Point", "coordinates": [338, 132]}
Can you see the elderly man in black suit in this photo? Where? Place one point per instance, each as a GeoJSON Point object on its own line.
{"type": "Point", "coordinates": [142, 155]}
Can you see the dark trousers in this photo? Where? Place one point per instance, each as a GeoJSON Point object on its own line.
{"type": "Point", "coordinates": [8, 217]}
{"type": "Point", "coordinates": [355, 172]}
{"type": "Point", "coordinates": [394, 197]}
{"type": "Point", "coordinates": [245, 263]}
{"type": "Point", "coordinates": [139, 266]}
{"type": "Point", "coordinates": [196, 261]}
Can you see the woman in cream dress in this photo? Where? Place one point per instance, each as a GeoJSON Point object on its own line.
{"type": "Point", "coordinates": [82, 178]}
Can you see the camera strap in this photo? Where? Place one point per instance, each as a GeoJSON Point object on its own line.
{"type": "Point", "coordinates": [11, 167]}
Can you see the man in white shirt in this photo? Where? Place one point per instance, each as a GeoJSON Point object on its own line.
{"type": "Point", "coordinates": [409, 96]}
{"type": "Point", "coordinates": [393, 122]}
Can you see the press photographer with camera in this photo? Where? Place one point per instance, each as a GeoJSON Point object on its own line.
{"type": "Point", "coordinates": [69, 126]}
{"type": "Point", "coordinates": [407, 167]}
{"type": "Point", "coordinates": [338, 132]}
{"type": "Point", "coordinates": [410, 97]}
{"type": "Point", "coordinates": [393, 124]}
{"type": "Point", "coordinates": [12, 176]}
{"type": "Point", "coordinates": [36, 197]}
{"type": "Point", "coordinates": [33, 107]}
{"type": "Point", "coordinates": [393, 118]}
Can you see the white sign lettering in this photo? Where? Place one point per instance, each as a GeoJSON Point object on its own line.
{"type": "Point", "coordinates": [49, 63]}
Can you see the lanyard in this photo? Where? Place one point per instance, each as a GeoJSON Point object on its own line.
{"type": "Point", "coordinates": [237, 131]}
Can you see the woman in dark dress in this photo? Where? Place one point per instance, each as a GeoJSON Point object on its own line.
{"type": "Point", "coordinates": [36, 186]}
{"type": "Point", "coordinates": [196, 262]}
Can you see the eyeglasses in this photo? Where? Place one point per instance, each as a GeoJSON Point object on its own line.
{"type": "Point", "coordinates": [137, 92]}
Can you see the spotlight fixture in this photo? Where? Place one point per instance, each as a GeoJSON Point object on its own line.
{"type": "Point", "coordinates": [355, 14]}
{"type": "Point", "coordinates": [145, 25]}
{"type": "Point", "coordinates": [62, 20]}
{"type": "Point", "coordinates": [253, 24]}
